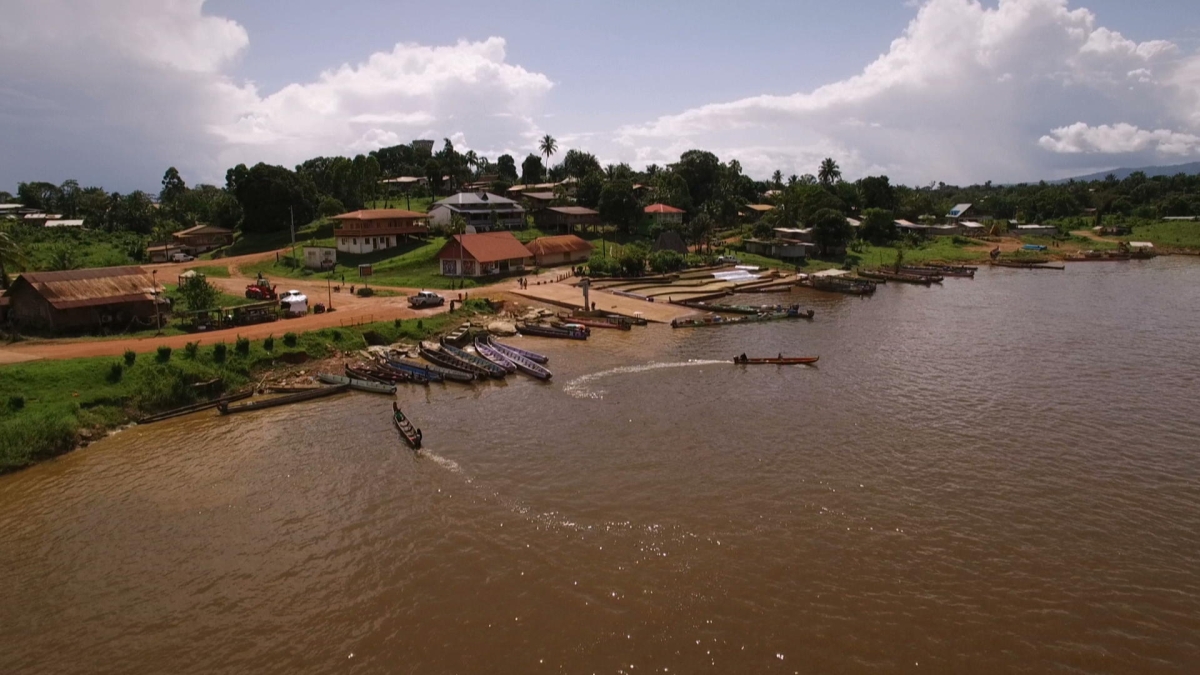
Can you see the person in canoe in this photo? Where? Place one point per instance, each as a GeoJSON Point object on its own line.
{"type": "Point", "coordinates": [742, 358]}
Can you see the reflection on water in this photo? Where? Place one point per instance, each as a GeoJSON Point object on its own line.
{"type": "Point", "coordinates": [990, 476]}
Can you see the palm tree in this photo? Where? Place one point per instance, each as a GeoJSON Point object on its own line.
{"type": "Point", "coordinates": [829, 173]}
{"type": "Point", "coordinates": [777, 179]}
{"type": "Point", "coordinates": [548, 147]}
{"type": "Point", "coordinates": [10, 256]}
{"type": "Point", "coordinates": [472, 160]}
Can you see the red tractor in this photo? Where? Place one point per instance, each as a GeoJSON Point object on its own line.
{"type": "Point", "coordinates": [261, 289]}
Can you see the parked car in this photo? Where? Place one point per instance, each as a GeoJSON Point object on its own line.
{"type": "Point", "coordinates": [730, 259]}
{"type": "Point", "coordinates": [425, 299]}
{"type": "Point", "coordinates": [182, 257]}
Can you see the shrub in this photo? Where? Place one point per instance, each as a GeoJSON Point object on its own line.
{"type": "Point", "coordinates": [603, 266]}
{"type": "Point", "coordinates": [289, 339]}
{"type": "Point", "coordinates": [269, 343]}
{"type": "Point", "coordinates": [219, 351]}
{"type": "Point", "coordinates": [164, 353]}
{"type": "Point", "coordinates": [336, 335]}
{"type": "Point", "coordinates": [242, 346]}
{"type": "Point", "coordinates": [420, 324]}
{"type": "Point", "coordinates": [397, 323]}
{"type": "Point", "coordinates": [115, 371]}
{"type": "Point", "coordinates": [365, 292]}
{"type": "Point", "coordinates": [16, 402]}
{"type": "Point", "coordinates": [191, 349]}
{"type": "Point", "coordinates": [666, 261]}
{"type": "Point", "coordinates": [130, 357]}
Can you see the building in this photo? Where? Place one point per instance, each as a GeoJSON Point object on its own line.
{"type": "Point", "coordinates": [670, 240]}
{"type": "Point", "coordinates": [39, 219]}
{"type": "Point", "coordinates": [560, 250]}
{"type": "Point", "coordinates": [535, 201]}
{"type": "Point", "coordinates": [965, 212]}
{"type": "Point", "coordinates": [784, 250]}
{"type": "Point", "coordinates": [755, 211]}
{"type": "Point", "coordinates": [972, 228]}
{"type": "Point", "coordinates": [73, 222]}
{"type": "Point", "coordinates": [1035, 231]}
{"type": "Point", "coordinates": [483, 211]}
{"type": "Point", "coordinates": [161, 253]}
{"type": "Point", "coordinates": [483, 254]}
{"type": "Point", "coordinates": [794, 234]}
{"type": "Point", "coordinates": [566, 218]}
{"type": "Point", "coordinates": [201, 238]}
{"type": "Point", "coordinates": [320, 257]}
{"type": "Point", "coordinates": [423, 146]}
{"type": "Point", "coordinates": [371, 230]}
{"type": "Point", "coordinates": [665, 216]}
{"type": "Point", "coordinates": [83, 300]}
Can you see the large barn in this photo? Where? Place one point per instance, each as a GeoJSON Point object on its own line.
{"type": "Point", "coordinates": [82, 300]}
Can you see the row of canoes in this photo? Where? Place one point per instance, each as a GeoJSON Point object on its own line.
{"type": "Point", "coordinates": [793, 312]}
{"type": "Point", "coordinates": [901, 277]}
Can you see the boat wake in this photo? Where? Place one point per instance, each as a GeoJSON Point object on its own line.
{"type": "Point", "coordinates": [583, 386]}
{"type": "Point", "coordinates": [447, 464]}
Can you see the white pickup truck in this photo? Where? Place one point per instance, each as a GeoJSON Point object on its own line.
{"type": "Point", "coordinates": [425, 299]}
{"type": "Point", "coordinates": [182, 257]}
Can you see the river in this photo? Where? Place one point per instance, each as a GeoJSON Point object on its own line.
{"type": "Point", "coordinates": [997, 475]}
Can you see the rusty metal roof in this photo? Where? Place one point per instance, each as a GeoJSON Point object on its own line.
{"type": "Point", "coordinates": [566, 243]}
{"type": "Point", "coordinates": [86, 288]}
{"type": "Point", "coordinates": [484, 247]}
{"type": "Point", "coordinates": [380, 214]}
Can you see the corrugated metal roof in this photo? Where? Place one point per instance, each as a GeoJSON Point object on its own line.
{"type": "Point", "coordinates": [574, 210]}
{"type": "Point", "coordinates": [86, 288]}
{"type": "Point", "coordinates": [662, 208]}
{"type": "Point", "coordinates": [468, 198]}
{"type": "Point", "coordinates": [958, 210]}
{"type": "Point", "coordinates": [484, 247]}
{"type": "Point", "coordinates": [566, 243]}
{"type": "Point", "coordinates": [760, 207]}
{"type": "Point", "coordinates": [203, 229]}
{"type": "Point", "coordinates": [379, 214]}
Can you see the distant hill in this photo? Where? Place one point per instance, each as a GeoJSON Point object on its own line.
{"type": "Point", "coordinates": [1150, 171]}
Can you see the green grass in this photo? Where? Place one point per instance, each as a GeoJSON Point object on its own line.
{"type": "Point", "coordinates": [1174, 234]}
{"type": "Point", "coordinates": [245, 244]}
{"type": "Point", "coordinates": [936, 249]}
{"type": "Point", "coordinates": [411, 265]}
{"type": "Point", "coordinates": [45, 405]}
{"type": "Point", "coordinates": [418, 204]}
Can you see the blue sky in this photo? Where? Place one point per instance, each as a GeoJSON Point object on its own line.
{"type": "Point", "coordinates": [111, 93]}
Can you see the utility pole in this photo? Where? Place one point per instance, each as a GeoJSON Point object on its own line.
{"type": "Point", "coordinates": [157, 313]}
{"type": "Point", "coordinates": [292, 216]}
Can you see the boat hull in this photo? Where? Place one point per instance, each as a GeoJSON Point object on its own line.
{"type": "Point", "coordinates": [226, 409]}
{"type": "Point", "coordinates": [410, 433]}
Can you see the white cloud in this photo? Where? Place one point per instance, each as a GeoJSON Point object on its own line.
{"type": "Point", "coordinates": [966, 93]}
{"type": "Point", "coordinates": [112, 93]}
{"type": "Point", "coordinates": [1118, 138]}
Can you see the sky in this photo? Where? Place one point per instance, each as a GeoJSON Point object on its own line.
{"type": "Point", "coordinates": [113, 92]}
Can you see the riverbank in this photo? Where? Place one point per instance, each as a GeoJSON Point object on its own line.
{"type": "Point", "coordinates": [50, 407]}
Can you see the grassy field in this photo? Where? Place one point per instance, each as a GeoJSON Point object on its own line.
{"type": "Point", "coordinates": [1175, 234]}
{"type": "Point", "coordinates": [244, 244]}
{"type": "Point", "coordinates": [47, 406]}
{"type": "Point", "coordinates": [418, 204]}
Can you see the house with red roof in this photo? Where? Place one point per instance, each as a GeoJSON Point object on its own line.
{"type": "Point", "coordinates": [666, 216]}
{"type": "Point", "coordinates": [371, 230]}
{"type": "Point", "coordinates": [483, 254]}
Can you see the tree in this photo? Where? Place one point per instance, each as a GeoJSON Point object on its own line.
{"type": "Point", "coordinates": [196, 293]}
{"type": "Point", "coordinates": [701, 170]}
{"type": "Point", "coordinates": [39, 195]}
{"type": "Point", "coordinates": [173, 187]}
{"type": "Point", "coordinates": [619, 206]}
{"type": "Point", "coordinates": [671, 189]}
{"type": "Point", "coordinates": [587, 191]}
{"type": "Point", "coordinates": [831, 231]}
{"type": "Point", "coordinates": [633, 259]}
{"type": "Point", "coordinates": [330, 206]}
{"type": "Point", "coordinates": [777, 179]}
{"type": "Point", "coordinates": [11, 257]}
{"type": "Point", "coordinates": [829, 173]}
{"type": "Point", "coordinates": [578, 164]}
{"type": "Point", "coordinates": [62, 257]}
{"type": "Point", "coordinates": [548, 146]}
{"type": "Point", "coordinates": [532, 169]}
{"type": "Point", "coordinates": [272, 196]}
{"type": "Point", "coordinates": [434, 175]}
{"type": "Point", "coordinates": [875, 192]}
{"type": "Point", "coordinates": [700, 227]}
{"type": "Point", "coordinates": [506, 167]}
{"type": "Point", "coordinates": [878, 226]}
{"type": "Point", "coordinates": [665, 261]}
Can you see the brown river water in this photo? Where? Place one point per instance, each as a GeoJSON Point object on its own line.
{"type": "Point", "coordinates": [998, 475]}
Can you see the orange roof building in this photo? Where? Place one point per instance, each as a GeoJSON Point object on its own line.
{"type": "Point", "coordinates": [483, 254]}
{"type": "Point", "coordinates": [560, 250]}
{"type": "Point", "coordinates": [664, 214]}
{"type": "Point", "coordinates": [371, 230]}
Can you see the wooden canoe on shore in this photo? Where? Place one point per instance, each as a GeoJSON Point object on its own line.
{"type": "Point", "coordinates": [195, 407]}
{"type": "Point", "coordinates": [713, 320]}
{"type": "Point", "coordinates": [410, 433]}
{"type": "Point", "coordinates": [434, 354]}
{"type": "Point", "coordinates": [1023, 265]}
{"type": "Point", "coordinates": [261, 404]}
{"type": "Point", "coordinates": [494, 355]}
{"type": "Point", "coordinates": [846, 285]}
{"type": "Point", "coordinates": [382, 375]}
{"type": "Point", "coordinates": [492, 369]}
{"type": "Point", "coordinates": [519, 360]}
{"type": "Point", "coordinates": [595, 322]}
{"type": "Point", "coordinates": [901, 277]}
{"type": "Point", "coordinates": [509, 349]}
{"type": "Point", "coordinates": [358, 385]}
{"type": "Point", "coordinates": [551, 332]}
{"type": "Point", "coordinates": [939, 271]}
{"type": "Point", "coordinates": [776, 360]}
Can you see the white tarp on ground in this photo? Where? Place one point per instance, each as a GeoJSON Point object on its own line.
{"type": "Point", "coordinates": [738, 274]}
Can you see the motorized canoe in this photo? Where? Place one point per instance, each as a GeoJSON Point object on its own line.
{"type": "Point", "coordinates": [901, 277]}
{"type": "Point", "coordinates": [410, 433]}
{"type": "Point", "coordinates": [596, 322]}
{"type": "Point", "coordinates": [356, 384]}
{"type": "Point", "coordinates": [777, 360]}
{"type": "Point", "coordinates": [494, 355]}
{"type": "Point", "coordinates": [509, 350]}
{"type": "Point", "coordinates": [793, 312]}
{"type": "Point", "coordinates": [523, 364]}
{"type": "Point", "coordinates": [1027, 265]}
{"type": "Point", "coordinates": [846, 285]}
{"type": "Point", "coordinates": [551, 332]}
{"type": "Point", "coordinates": [226, 409]}
{"type": "Point", "coordinates": [492, 369]}
{"type": "Point", "coordinates": [939, 271]}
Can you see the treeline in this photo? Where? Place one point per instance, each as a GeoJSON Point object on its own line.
{"type": "Point", "coordinates": [267, 198]}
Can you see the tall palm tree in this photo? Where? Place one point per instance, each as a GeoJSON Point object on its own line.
{"type": "Point", "coordinates": [548, 146]}
{"type": "Point", "coordinates": [472, 160]}
{"type": "Point", "coordinates": [777, 179]}
{"type": "Point", "coordinates": [11, 256]}
{"type": "Point", "coordinates": [829, 173]}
